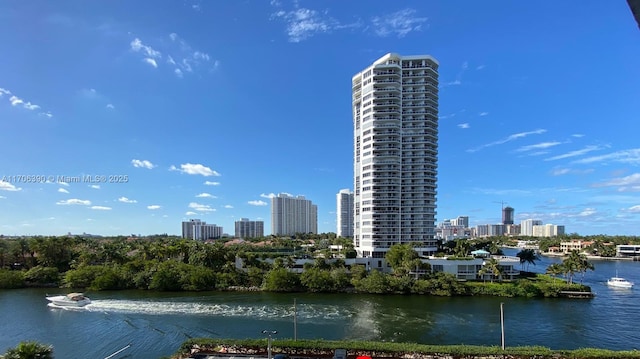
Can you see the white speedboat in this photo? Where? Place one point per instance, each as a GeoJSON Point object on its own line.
{"type": "Point", "coordinates": [69, 300]}
{"type": "Point", "coordinates": [619, 282]}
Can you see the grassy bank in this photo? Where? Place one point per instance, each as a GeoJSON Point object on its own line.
{"type": "Point", "coordinates": [325, 348]}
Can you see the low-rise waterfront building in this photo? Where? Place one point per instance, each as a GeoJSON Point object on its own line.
{"type": "Point", "coordinates": [628, 250]}
{"type": "Point", "coordinates": [575, 245]}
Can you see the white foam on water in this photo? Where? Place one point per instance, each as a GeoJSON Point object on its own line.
{"type": "Point", "coordinates": [306, 312]}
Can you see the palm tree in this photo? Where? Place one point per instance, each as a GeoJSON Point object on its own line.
{"type": "Point", "coordinates": [554, 270]}
{"type": "Point", "coordinates": [576, 262]}
{"type": "Point", "coordinates": [491, 266]}
{"type": "Point", "coordinates": [528, 256]}
{"type": "Point", "coordinates": [462, 248]}
{"type": "Point", "coordinates": [30, 350]}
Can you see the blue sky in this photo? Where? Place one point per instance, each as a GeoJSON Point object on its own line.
{"type": "Point", "coordinates": [210, 107]}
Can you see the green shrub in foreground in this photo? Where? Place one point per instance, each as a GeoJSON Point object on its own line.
{"type": "Point", "coordinates": [396, 349]}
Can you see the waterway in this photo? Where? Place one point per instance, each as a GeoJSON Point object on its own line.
{"type": "Point", "coordinates": [155, 324]}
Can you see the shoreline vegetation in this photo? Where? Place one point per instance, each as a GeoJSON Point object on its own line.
{"type": "Point", "coordinates": [165, 263]}
{"type": "Point", "coordinates": [325, 349]}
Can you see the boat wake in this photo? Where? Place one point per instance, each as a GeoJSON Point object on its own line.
{"type": "Point", "coordinates": [66, 307]}
{"type": "Point", "coordinates": [309, 312]}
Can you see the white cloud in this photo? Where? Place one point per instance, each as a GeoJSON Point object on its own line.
{"type": "Point", "coordinates": [574, 153]}
{"type": "Point", "coordinates": [154, 207]}
{"type": "Point", "coordinates": [228, 206]}
{"type": "Point", "coordinates": [629, 183]}
{"type": "Point", "coordinates": [6, 186]}
{"type": "Point", "coordinates": [74, 201]}
{"type": "Point", "coordinates": [484, 113]}
{"type": "Point", "coordinates": [205, 195]}
{"type": "Point", "coordinates": [63, 183]}
{"type": "Point", "coordinates": [195, 169]}
{"type": "Point", "coordinates": [630, 156]}
{"type": "Point", "coordinates": [95, 186]}
{"type": "Point", "coordinates": [464, 125]}
{"type": "Point", "coordinates": [110, 106]}
{"type": "Point", "coordinates": [211, 183]}
{"type": "Point", "coordinates": [190, 213]}
{"type": "Point", "coordinates": [587, 212]}
{"type": "Point", "coordinates": [148, 51]}
{"type": "Point", "coordinates": [46, 114]}
{"type": "Point", "coordinates": [101, 208]}
{"type": "Point", "coordinates": [458, 80]}
{"type": "Point", "coordinates": [3, 197]}
{"type": "Point", "coordinates": [560, 171]}
{"type": "Point", "coordinates": [480, 67]}
{"type": "Point", "coordinates": [62, 190]}
{"type": "Point", "coordinates": [151, 62]}
{"type": "Point", "coordinates": [30, 106]}
{"type": "Point", "coordinates": [270, 195]}
{"type": "Point", "coordinates": [15, 101]}
{"type": "Point", "coordinates": [189, 59]}
{"type": "Point", "coordinates": [303, 23]}
{"type": "Point", "coordinates": [201, 207]}
{"type": "Point", "coordinates": [257, 203]}
{"type": "Point", "coordinates": [538, 146]}
{"type": "Point", "coordinates": [509, 138]}
{"type": "Point", "coordinates": [126, 200]}
{"type": "Point", "coordinates": [634, 209]}
{"type": "Point", "coordinates": [142, 164]}
{"type": "Point", "coordinates": [399, 23]}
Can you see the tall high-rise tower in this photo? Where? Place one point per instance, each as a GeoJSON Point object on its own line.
{"type": "Point", "coordinates": [507, 215]}
{"type": "Point", "coordinates": [291, 215]}
{"type": "Point", "coordinates": [344, 213]}
{"type": "Point", "coordinates": [395, 120]}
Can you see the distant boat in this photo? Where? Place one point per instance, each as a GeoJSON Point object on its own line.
{"type": "Point", "coordinates": [69, 300]}
{"type": "Point", "coordinates": [619, 282]}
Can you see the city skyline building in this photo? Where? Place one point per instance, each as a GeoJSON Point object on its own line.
{"type": "Point", "coordinates": [200, 230]}
{"type": "Point", "coordinates": [526, 226]}
{"type": "Point", "coordinates": [507, 215]}
{"type": "Point", "coordinates": [291, 215]}
{"type": "Point", "coordinates": [344, 213]}
{"type": "Point", "coordinates": [395, 122]}
{"type": "Point", "coordinates": [249, 229]}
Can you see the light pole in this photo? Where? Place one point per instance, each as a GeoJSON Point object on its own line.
{"type": "Point", "coordinates": [269, 333]}
{"type": "Point", "coordinates": [502, 322]}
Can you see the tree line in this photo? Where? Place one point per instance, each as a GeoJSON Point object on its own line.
{"type": "Point", "coordinates": [174, 264]}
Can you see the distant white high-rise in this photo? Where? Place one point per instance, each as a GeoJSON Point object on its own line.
{"type": "Point", "coordinates": [395, 121]}
{"type": "Point", "coordinates": [199, 230]}
{"type": "Point", "coordinates": [526, 226]}
{"type": "Point", "coordinates": [291, 215]}
{"type": "Point", "coordinates": [249, 229]}
{"type": "Point", "coordinates": [461, 221]}
{"type": "Point", "coordinates": [344, 213]}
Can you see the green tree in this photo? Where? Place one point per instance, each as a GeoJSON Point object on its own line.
{"type": "Point", "coordinates": [554, 270]}
{"type": "Point", "coordinates": [30, 350]}
{"type": "Point", "coordinates": [42, 275]}
{"type": "Point", "coordinates": [577, 263]}
{"type": "Point", "coordinates": [281, 280]}
{"type": "Point", "coordinates": [461, 248]}
{"type": "Point", "coordinates": [492, 267]}
{"type": "Point", "coordinates": [402, 258]}
{"type": "Point", "coordinates": [317, 280]}
{"type": "Point", "coordinates": [528, 256]}
{"type": "Point", "coordinates": [375, 282]}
